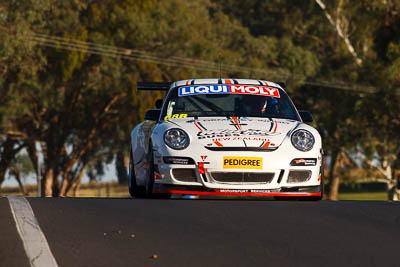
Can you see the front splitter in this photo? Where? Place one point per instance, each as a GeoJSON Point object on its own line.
{"type": "Point", "coordinates": [196, 190]}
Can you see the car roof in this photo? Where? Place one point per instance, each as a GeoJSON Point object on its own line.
{"type": "Point", "coordinates": [225, 81]}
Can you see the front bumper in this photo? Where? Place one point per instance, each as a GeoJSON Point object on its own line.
{"type": "Point", "coordinates": [204, 167]}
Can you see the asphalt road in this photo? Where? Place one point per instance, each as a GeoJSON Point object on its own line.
{"type": "Point", "coordinates": [128, 232]}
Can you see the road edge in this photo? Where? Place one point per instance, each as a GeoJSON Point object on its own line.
{"type": "Point", "coordinates": [35, 243]}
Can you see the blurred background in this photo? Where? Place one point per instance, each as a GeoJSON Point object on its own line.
{"type": "Point", "coordinates": [68, 71]}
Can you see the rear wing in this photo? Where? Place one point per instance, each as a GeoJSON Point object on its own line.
{"type": "Point", "coordinates": [153, 86]}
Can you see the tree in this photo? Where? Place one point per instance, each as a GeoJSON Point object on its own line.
{"type": "Point", "coordinates": [380, 147]}
{"type": "Point", "coordinates": [20, 168]}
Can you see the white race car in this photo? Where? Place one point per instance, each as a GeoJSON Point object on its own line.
{"type": "Point", "coordinates": [225, 137]}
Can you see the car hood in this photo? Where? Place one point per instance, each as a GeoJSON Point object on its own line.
{"type": "Point", "coordinates": [237, 132]}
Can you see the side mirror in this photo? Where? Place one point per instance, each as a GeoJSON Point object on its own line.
{"type": "Point", "coordinates": [159, 103]}
{"type": "Point", "coordinates": [305, 116]}
{"type": "Point", "coordinates": [152, 114]}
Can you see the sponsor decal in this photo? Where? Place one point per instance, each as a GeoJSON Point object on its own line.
{"type": "Point", "coordinates": [203, 89]}
{"type": "Point", "coordinates": [237, 192]}
{"type": "Point", "coordinates": [199, 126]}
{"type": "Point", "coordinates": [242, 163]}
{"type": "Point", "coordinates": [178, 160]}
{"type": "Point", "coordinates": [242, 119]}
{"type": "Point", "coordinates": [175, 116]}
{"type": "Point", "coordinates": [224, 120]}
{"type": "Point", "coordinates": [203, 158]}
{"type": "Point", "coordinates": [304, 162]}
{"type": "Point", "coordinates": [240, 138]}
{"type": "Point", "coordinates": [254, 90]}
{"type": "Point", "coordinates": [228, 89]}
{"type": "Point", "coordinates": [244, 190]}
{"type": "Point", "coordinates": [233, 133]}
{"type": "Point", "coordinates": [201, 168]}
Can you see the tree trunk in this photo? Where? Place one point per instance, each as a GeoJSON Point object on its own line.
{"type": "Point", "coordinates": [48, 183]}
{"type": "Point", "coordinates": [64, 185]}
{"type": "Point", "coordinates": [66, 181]}
{"type": "Point", "coordinates": [2, 174]}
{"type": "Point", "coordinates": [77, 184]}
{"type": "Point", "coordinates": [121, 169]}
{"type": "Point", "coordinates": [17, 175]}
{"type": "Point", "coordinates": [333, 179]}
{"type": "Point", "coordinates": [7, 155]}
{"type": "Point", "coordinates": [337, 27]}
{"type": "Point", "coordinates": [393, 188]}
{"type": "Point", "coordinates": [334, 188]}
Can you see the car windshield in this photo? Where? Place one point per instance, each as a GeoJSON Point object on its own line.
{"type": "Point", "coordinates": [183, 103]}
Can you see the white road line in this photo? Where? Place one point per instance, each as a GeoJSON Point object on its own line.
{"type": "Point", "coordinates": [36, 247]}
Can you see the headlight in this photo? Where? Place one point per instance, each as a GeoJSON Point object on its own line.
{"type": "Point", "coordinates": [303, 140]}
{"type": "Point", "coordinates": [176, 138]}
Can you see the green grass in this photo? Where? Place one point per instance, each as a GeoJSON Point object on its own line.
{"type": "Point", "coordinates": [363, 196]}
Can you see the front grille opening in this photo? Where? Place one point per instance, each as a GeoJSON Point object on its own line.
{"type": "Point", "coordinates": [243, 177]}
{"type": "Point", "coordinates": [281, 176]}
{"type": "Point", "coordinates": [204, 177]}
{"type": "Point", "coordinates": [184, 175]}
{"type": "Point", "coordinates": [299, 176]}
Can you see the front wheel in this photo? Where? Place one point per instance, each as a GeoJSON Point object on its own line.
{"type": "Point", "coordinates": [134, 189]}
{"type": "Point", "coordinates": [149, 182]}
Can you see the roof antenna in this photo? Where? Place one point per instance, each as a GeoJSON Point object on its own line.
{"type": "Point", "coordinates": [220, 68]}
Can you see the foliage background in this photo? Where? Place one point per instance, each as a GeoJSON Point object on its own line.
{"type": "Point", "coordinates": [68, 71]}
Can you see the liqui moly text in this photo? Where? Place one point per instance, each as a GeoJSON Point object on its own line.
{"type": "Point", "coordinates": [228, 89]}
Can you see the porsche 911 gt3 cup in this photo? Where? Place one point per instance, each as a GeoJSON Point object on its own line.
{"type": "Point", "coordinates": [225, 137]}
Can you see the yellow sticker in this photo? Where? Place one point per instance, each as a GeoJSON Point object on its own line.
{"type": "Point", "coordinates": [242, 163]}
{"type": "Point", "coordinates": [175, 116]}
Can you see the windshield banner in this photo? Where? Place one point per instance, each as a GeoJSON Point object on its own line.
{"type": "Point", "coordinates": [229, 89]}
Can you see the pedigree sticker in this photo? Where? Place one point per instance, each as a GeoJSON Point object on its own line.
{"type": "Point", "coordinates": [229, 89]}
{"type": "Point", "coordinates": [243, 163]}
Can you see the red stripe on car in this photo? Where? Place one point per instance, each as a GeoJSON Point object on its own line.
{"type": "Point", "coordinates": [198, 127]}
{"type": "Point", "coordinates": [235, 120]}
{"type": "Point", "coordinates": [217, 143]}
{"type": "Point", "coordinates": [201, 193]}
{"type": "Point", "coordinates": [266, 144]}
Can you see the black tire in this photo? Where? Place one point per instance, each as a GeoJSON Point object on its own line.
{"type": "Point", "coordinates": [134, 190]}
{"type": "Point", "coordinates": [149, 182]}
